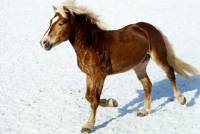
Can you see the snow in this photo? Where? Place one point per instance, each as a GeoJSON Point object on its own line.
{"type": "Point", "coordinates": [43, 92]}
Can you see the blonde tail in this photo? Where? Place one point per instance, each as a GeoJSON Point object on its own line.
{"type": "Point", "coordinates": [179, 66]}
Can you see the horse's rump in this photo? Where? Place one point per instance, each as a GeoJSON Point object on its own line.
{"type": "Point", "coordinates": [161, 47]}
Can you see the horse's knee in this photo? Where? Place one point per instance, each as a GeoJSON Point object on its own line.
{"type": "Point", "coordinates": [93, 100]}
{"type": "Point", "coordinates": [88, 98]}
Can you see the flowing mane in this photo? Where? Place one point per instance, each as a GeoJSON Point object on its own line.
{"type": "Point", "coordinates": [70, 6]}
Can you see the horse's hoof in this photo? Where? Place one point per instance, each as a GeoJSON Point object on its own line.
{"type": "Point", "coordinates": [184, 101]}
{"type": "Point", "coordinates": [112, 102]}
{"type": "Point", "coordinates": [86, 130]}
{"type": "Point", "coordinates": [142, 114]}
{"type": "Point", "coordinates": [181, 99]}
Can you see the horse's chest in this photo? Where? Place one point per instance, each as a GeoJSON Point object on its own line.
{"type": "Point", "coordinates": [82, 66]}
{"type": "Point", "coordinates": [91, 62]}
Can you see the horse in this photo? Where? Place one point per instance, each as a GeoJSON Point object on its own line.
{"type": "Point", "coordinates": [101, 52]}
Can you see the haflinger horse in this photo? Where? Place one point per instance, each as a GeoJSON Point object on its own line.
{"type": "Point", "coordinates": [102, 52]}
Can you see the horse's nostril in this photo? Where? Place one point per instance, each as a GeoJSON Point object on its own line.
{"type": "Point", "coordinates": [46, 44]}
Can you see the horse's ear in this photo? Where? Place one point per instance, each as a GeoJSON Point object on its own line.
{"type": "Point", "coordinates": [54, 8]}
{"type": "Point", "coordinates": [65, 9]}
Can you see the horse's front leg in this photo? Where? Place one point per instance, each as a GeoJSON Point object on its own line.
{"type": "Point", "coordinates": [93, 93]}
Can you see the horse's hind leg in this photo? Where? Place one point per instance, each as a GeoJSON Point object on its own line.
{"type": "Point", "coordinates": [140, 71]}
{"type": "Point", "coordinates": [163, 63]}
{"type": "Point", "coordinates": [171, 76]}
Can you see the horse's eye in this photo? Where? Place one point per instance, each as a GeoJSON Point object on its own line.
{"type": "Point", "coordinates": [60, 24]}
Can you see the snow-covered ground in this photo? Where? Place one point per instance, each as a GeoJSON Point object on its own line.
{"type": "Point", "coordinates": [43, 92]}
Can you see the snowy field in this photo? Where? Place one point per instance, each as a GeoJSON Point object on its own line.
{"type": "Point", "coordinates": [43, 92]}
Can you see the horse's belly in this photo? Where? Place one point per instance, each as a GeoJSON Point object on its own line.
{"type": "Point", "coordinates": [125, 63]}
{"type": "Point", "coordinates": [120, 69]}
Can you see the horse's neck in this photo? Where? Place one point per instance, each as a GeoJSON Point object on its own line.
{"type": "Point", "coordinates": [81, 34]}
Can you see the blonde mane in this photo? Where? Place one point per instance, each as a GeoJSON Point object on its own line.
{"type": "Point", "coordinates": [80, 10]}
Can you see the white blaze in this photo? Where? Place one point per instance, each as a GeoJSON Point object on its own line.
{"type": "Point", "coordinates": [45, 37]}
{"type": "Point", "coordinates": [53, 21]}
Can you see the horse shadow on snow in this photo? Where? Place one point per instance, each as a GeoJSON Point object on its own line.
{"type": "Point", "coordinates": [161, 89]}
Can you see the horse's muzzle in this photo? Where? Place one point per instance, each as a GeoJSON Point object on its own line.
{"type": "Point", "coordinates": [46, 44]}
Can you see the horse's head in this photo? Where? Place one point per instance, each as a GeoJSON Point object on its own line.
{"type": "Point", "coordinates": [58, 30]}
